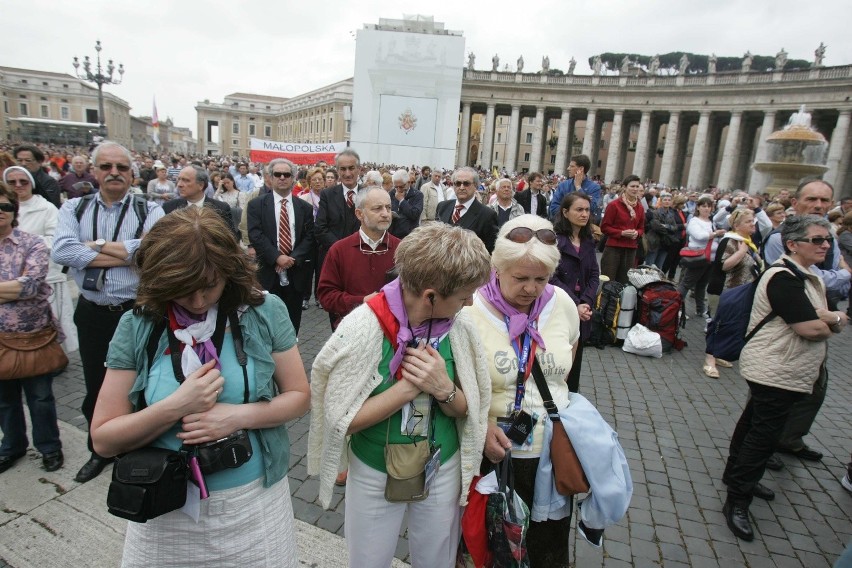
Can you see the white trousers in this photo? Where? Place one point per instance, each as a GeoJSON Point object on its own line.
{"type": "Point", "coordinates": [372, 525]}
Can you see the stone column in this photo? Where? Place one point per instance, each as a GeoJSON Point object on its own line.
{"type": "Point", "coordinates": [698, 165]}
{"type": "Point", "coordinates": [596, 147]}
{"type": "Point", "coordinates": [758, 180]}
{"type": "Point", "coordinates": [837, 149]}
{"type": "Point", "coordinates": [641, 160]}
{"type": "Point", "coordinates": [653, 141]}
{"type": "Point", "coordinates": [615, 148]}
{"type": "Point", "coordinates": [538, 140]}
{"type": "Point", "coordinates": [512, 142]}
{"type": "Point", "coordinates": [464, 142]}
{"type": "Point", "coordinates": [589, 141]}
{"type": "Point", "coordinates": [564, 142]}
{"type": "Point", "coordinates": [731, 153]}
{"type": "Point", "coordinates": [670, 150]}
{"type": "Point", "coordinates": [488, 138]}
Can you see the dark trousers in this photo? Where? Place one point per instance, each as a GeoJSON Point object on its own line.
{"type": "Point", "coordinates": [574, 375]}
{"type": "Point", "coordinates": [95, 327]}
{"type": "Point", "coordinates": [616, 261]}
{"type": "Point", "coordinates": [292, 298]}
{"type": "Point", "coordinates": [803, 414]}
{"type": "Point", "coordinates": [42, 405]}
{"type": "Point", "coordinates": [695, 279]}
{"type": "Point", "coordinates": [755, 437]}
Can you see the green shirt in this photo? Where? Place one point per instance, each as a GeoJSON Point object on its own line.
{"type": "Point", "coordinates": [369, 444]}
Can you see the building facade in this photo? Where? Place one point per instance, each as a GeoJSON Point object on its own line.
{"type": "Point", "coordinates": [317, 116]}
{"type": "Point", "coordinates": [57, 108]}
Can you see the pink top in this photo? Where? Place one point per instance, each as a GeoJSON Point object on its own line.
{"type": "Point", "coordinates": [23, 257]}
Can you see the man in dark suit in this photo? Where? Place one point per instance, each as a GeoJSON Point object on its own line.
{"type": "Point", "coordinates": [466, 211]}
{"type": "Point", "coordinates": [191, 183]}
{"type": "Point", "coordinates": [531, 198]}
{"type": "Point", "coordinates": [336, 215]}
{"type": "Point", "coordinates": [406, 204]}
{"type": "Point", "coordinates": [281, 231]}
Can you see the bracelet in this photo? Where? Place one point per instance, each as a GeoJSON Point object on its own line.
{"type": "Point", "coordinates": [450, 398]}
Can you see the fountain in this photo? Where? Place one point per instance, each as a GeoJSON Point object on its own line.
{"type": "Point", "coordinates": [794, 152]}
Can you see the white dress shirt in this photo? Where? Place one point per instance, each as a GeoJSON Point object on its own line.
{"type": "Point", "coordinates": [291, 214]}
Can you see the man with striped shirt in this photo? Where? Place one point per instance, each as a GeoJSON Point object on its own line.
{"type": "Point", "coordinates": [98, 242]}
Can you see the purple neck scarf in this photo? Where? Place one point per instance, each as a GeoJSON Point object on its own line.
{"type": "Point", "coordinates": [519, 322]}
{"type": "Point", "coordinates": [201, 330]}
{"type": "Point", "coordinates": [393, 295]}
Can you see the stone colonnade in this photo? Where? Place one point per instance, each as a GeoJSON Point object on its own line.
{"type": "Point", "coordinates": [682, 131]}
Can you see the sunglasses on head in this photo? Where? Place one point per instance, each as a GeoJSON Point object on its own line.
{"type": "Point", "coordinates": [525, 234]}
{"type": "Point", "coordinates": [108, 167]}
{"type": "Point", "coordinates": [817, 240]}
{"type": "Point", "coordinates": [282, 174]}
{"type": "Point", "coordinates": [7, 207]}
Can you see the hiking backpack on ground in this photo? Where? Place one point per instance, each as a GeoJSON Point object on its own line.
{"type": "Point", "coordinates": [661, 310]}
{"type": "Point", "coordinates": [605, 315]}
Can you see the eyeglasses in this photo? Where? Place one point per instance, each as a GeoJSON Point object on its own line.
{"type": "Point", "coordinates": [108, 167]}
{"type": "Point", "coordinates": [461, 183]}
{"type": "Point", "coordinates": [19, 182]}
{"type": "Point", "coordinates": [525, 234]}
{"type": "Point", "coordinates": [365, 249]}
{"type": "Point", "coordinates": [817, 240]}
{"type": "Point", "coordinates": [282, 174]}
{"type": "Point", "coordinates": [7, 207]}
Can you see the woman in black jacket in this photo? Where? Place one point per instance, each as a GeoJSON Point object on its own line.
{"type": "Point", "coordinates": [578, 271]}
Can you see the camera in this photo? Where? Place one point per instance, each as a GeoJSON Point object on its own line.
{"type": "Point", "coordinates": [228, 453]}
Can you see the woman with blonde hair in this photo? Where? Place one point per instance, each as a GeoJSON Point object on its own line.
{"type": "Point", "coordinates": [401, 382]}
{"type": "Point", "coordinates": [525, 322]}
{"type": "Point", "coordinates": [244, 379]}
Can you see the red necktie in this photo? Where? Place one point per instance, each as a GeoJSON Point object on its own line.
{"type": "Point", "coordinates": [457, 214]}
{"type": "Point", "coordinates": [350, 199]}
{"type": "Point", "coordinates": [285, 243]}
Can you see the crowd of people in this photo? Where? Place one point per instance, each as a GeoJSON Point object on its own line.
{"type": "Point", "coordinates": [194, 272]}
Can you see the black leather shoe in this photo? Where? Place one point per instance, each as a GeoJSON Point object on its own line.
{"type": "Point", "coordinates": [736, 515]}
{"type": "Point", "coordinates": [763, 492]}
{"type": "Point", "coordinates": [8, 461]}
{"type": "Point", "coordinates": [774, 463]}
{"type": "Point", "coordinates": [92, 468]}
{"type": "Point", "coordinates": [52, 461]}
{"type": "Point", "coordinates": [804, 454]}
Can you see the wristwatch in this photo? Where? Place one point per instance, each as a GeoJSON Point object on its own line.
{"type": "Point", "coordinates": [99, 244]}
{"type": "Point", "coordinates": [450, 398]}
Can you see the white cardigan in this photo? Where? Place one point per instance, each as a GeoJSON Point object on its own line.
{"type": "Point", "coordinates": [344, 374]}
{"type": "Point", "coordinates": [38, 216]}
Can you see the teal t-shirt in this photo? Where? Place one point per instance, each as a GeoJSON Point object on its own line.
{"type": "Point", "coordinates": [162, 383]}
{"type": "Point", "coordinates": [369, 444]}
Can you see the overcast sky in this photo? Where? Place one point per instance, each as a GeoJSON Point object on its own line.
{"type": "Point", "coordinates": [186, 51]}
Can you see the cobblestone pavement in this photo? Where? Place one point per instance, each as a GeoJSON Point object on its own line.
{"type": "Point", "coordinates": [675, 425]}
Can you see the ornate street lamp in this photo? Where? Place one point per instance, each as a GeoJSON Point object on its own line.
{"type": "Point", "coordinates": [100, 79]}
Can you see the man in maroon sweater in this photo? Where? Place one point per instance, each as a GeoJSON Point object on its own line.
{"type": "Point", "coordinates": [356, 266]}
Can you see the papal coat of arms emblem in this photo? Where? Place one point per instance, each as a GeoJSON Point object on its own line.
{"type": "Point", "coordinates": [407, 121]}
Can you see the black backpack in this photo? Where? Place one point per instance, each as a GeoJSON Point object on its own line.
{"type": "Point", "coordinates": [605, 315]}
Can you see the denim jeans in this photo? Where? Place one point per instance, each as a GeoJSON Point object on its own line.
{"type": "Point", "coordinates": [656, 257]}
{"type": "Point", "coordinates": [39, 393]}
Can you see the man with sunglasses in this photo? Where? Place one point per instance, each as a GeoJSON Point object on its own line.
{"type": "Point", "coordinates": [99, 247]}
{"type": "Point", "coordinates": [32, 158]}
{"type": "Point", "coordinates": [466, 211]}
{"type": "Point", "coordinates": [812, 197]}
{"type": "Point", "coordinates": [281, 231]}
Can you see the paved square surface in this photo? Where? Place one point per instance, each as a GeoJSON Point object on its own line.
{"type": "Point", "coordinates": [675, 425]}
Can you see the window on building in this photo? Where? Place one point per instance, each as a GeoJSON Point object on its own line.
{"type": "Point", "coordinates": [496, 155]}
{"type": "Point", "coordinates": [235, 142]}
{"type": "Point", "coordinates": [526, 156]}
{"type": "Point", "coordinates": [499, 137]}
{"type": "Point", "coordinates": [24, 81]}
{"type": "Point", "coordinates": [24, 111]}
{"type": "Point", "coordinates": [267, 131]}
{"type": "Point", "coordinates": [92, 116]}
{"type": "Point", "coordinates": [6, 107]}
{"type": "Point", "coordinates": [43, 98]}
{"type": "Point", "coordinates": [552, 159]}
{"type": "Point", "coordinates": [44, 83]}
{"type": "Point", "coordinates": [529, 138]}
{"type": "Point", "coordinates": [330, 127]}
{"type": "Point", "coordinates": [323, 125]}
{"type": "Point", "coordinates": [45, 112]}
{"type": "Point", "coordinates": [64, 113]}
{"type": "Point", "coordinates": [63, 100]}
{"type": "Point", "coordinates": [251, 106]}
{"type": "Point", "coordinates": [235, 128]}
{"type": "Point", "coordinates": [64, 85]}
{"type": "Point", "coordinates": [252, 130]}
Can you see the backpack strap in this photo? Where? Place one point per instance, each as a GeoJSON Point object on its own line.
{"type": "Point", "coordinates": [140, 207]}
{"type": "Point", "coordinates": [771, 314]}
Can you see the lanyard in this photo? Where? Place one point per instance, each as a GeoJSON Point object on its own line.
{"type": "Point", "coordinates": [525, 351]}
{"type": "Point", "coordinates": [117, 225]}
